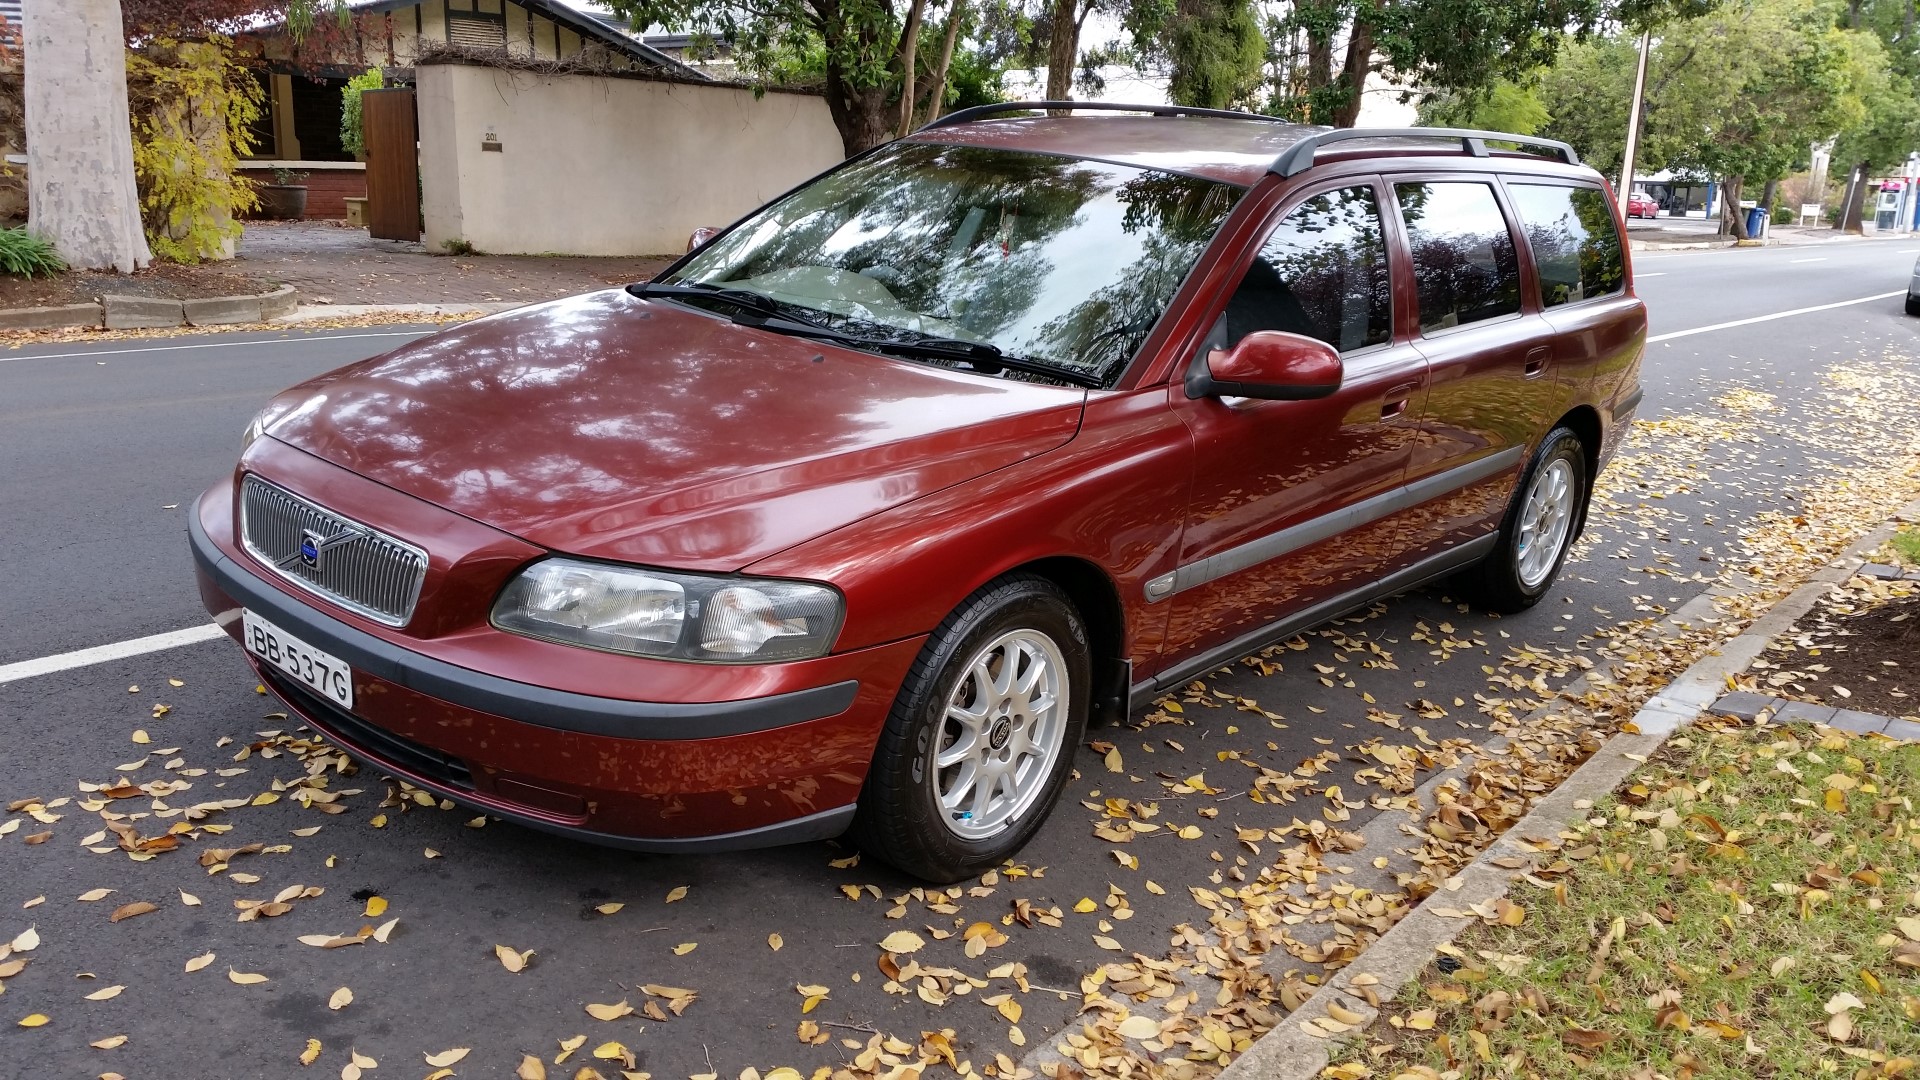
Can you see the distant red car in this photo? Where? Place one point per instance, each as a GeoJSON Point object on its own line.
{"type": "Point", "coordinates": [1641, 204]}
{"type": "Point", "coordinates": [856, 516]}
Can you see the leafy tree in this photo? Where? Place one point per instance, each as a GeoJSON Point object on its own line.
{"type": "Point", "coordinates": [1744, 92]}
{"type": "Point", "coordinates": [881, 64]}
{"type": "Point", "coordinates": [1211, 50]}
{"type": "Point", "coordinates": [1507, 105]}
{"type": "Point", "coordinates": [82, 190]}
{"type": "Point", "coordinates": [1890, 126]}
{"type": "Point", "coordinates": [353, 136]}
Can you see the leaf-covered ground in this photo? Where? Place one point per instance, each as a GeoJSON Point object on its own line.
{"type": "Point", "coordinates": [1747, 905]}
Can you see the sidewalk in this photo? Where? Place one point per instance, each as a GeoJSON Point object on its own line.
{"type": "Point", "coordinates": [332, 264]}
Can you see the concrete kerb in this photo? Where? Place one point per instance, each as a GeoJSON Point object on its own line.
{"type": "Point", "coordinates": [117, 312]}
{"type": "Point", "coordinates": [1292, 1052]}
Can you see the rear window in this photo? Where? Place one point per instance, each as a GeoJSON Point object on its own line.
{"type": "Point", "coordinates": [1464, 264]}
{"type": "Point", "coordinates": [1575, 241]}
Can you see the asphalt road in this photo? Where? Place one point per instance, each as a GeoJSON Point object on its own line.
{"type": "Point", "coordinates": [104, 447]}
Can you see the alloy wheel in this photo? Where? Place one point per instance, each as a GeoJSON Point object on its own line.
{"type": "Point", "coordinates": [1001, 733]}
{"type": "Point", "coordinates": [1546, 520]}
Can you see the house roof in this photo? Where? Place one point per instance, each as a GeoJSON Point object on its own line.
{"type": "Point", "coordinates": [605, 30]}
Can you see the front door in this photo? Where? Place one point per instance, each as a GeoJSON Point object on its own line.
{"type": "Point", "coordinates": [1294, 502]}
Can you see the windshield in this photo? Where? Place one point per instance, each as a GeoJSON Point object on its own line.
{"type": "Point", "coordinates": [1057, 260]}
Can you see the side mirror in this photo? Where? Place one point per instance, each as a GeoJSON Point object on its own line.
{"type": "Point", "coordinates": [700, 236]}
{"type": "Point", "coordinates": [1270, 364]}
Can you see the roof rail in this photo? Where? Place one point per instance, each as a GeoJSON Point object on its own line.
{"type": "Point", "coordinates": [981, 112]}
{"type": "Point", "coordinates": [1298, 158]}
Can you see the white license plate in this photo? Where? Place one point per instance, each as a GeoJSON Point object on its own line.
{"type": "Point", "coordinates": [323, 673]}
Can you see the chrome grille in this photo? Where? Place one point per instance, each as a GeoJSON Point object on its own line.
{"type": "Point", "coordinates": [357, 567]}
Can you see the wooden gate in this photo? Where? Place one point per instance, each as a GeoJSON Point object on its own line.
{"type": "Point", "coordinates": [393, 164]}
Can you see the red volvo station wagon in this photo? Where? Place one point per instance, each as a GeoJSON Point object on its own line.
{"type": "Point", "coordinates": [854, 518]}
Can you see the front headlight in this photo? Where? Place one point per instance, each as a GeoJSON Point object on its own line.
{"type": "Point", "coordinates": [724, 620]}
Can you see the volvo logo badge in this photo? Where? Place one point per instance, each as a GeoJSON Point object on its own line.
{"type": "Point", "coordinates": [314, 546]}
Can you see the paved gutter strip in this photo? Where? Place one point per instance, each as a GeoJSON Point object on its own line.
{"type": "Point", "coordinates": [310, 312]}
{"type": "Point", "coordinates": [1290, 1052]}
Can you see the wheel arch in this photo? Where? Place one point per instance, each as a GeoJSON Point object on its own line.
{"type": "Point", "coordinates": [1584, 422]}
{"type": "Point", "coordinates": [1097, 598]}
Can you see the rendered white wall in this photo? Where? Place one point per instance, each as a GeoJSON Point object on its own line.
{"type": "Point", "coordinates": [597, 165]}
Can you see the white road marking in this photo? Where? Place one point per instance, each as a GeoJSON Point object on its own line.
{"type": "Point", "coordinates": [221, 344]}
{"type": "Point", "coordinates": [100, 654]}
{"type": "Point", "coordinates": [1660, 273]}
{"type": "Point", "coordinates": [1822, 258]}
{"type": "Point", "coordinates": [1775, 315]}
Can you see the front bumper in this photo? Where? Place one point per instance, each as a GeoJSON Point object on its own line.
{"type": "Point", "coordinates": [659, 776]}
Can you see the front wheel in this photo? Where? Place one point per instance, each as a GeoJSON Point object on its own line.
{"type": "Point", "coordinates": [979, 743]}
{"type": "Point", "coordinates": [1913, 304]}
{"type": "Point", "coordinates": [1538, 530]}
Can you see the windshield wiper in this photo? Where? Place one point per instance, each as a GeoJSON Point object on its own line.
{"type": "Point", "coordinates": [978, 355]}
{"type": "Point", "coordinates": [741, 298]}
{"type": "Point", "coordinates": [776, 317]}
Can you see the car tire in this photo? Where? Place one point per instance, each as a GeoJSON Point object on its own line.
{"type": "Point", "coordinates": [1547, 508]}
{"type": "Point", "coordinates": [1913, 304]}
{"type": "Point", "coordinates": [923, 817]}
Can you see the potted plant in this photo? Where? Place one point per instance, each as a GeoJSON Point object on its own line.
{"type": "Point", "coordinates": [286, 198]}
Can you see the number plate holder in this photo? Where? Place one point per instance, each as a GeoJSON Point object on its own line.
{"type": "Point", "coordinates": [316, 669]}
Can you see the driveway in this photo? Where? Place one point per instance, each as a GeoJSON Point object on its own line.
{"type": "Point", "coordinates": [1769, 383]}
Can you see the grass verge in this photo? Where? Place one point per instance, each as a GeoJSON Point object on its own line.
{"type": "Point", "coordinates": [1905, 545]}
{"type": "Point", "coordinates": [1745, 907]}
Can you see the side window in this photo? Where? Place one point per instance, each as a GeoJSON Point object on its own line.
{"type": "Point", "coordinates": [1574, 239]}
{"type": "Point", "coordinates": [1464, 264]}
{"type": "Point", "coordinates": [1322, 273]}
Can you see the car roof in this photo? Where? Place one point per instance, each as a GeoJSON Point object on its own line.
{"type": "Point", "coordinates": [1215, 145]}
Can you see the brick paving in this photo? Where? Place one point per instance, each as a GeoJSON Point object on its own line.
{"type": "Point", "coordinates": [331, 263]}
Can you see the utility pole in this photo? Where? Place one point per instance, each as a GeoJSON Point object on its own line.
{"type": "Point", "coordinates": [1633, 118]}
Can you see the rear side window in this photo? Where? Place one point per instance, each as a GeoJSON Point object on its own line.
{"type": "Point", "coordinates": [1464, 263]}
{"type": "Point", "coordinates": [1574, 240]}
{"type": "Point", "coordinates": [1322, 273]}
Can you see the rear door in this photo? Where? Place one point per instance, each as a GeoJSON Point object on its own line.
{"type": "Point", "coordinates": [1494, 384]}
{"type": "Point", "coordinates": [1579, 264]}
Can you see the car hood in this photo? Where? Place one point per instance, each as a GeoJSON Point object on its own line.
{"type": "Point", "coordinates": [638, 430]}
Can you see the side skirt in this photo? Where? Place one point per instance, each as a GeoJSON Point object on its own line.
{"type": "Point", "coordinates": [1429, 569]}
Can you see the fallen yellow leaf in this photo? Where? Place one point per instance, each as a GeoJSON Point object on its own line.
{"type": "Point", "coordinates": [447, 1057]}
{"type": "Point", "coordinates": [245, 978]}
{"type": "Point", "coordinates": [341, 998]}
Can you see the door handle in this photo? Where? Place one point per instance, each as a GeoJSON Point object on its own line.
{"type": "Point", "coordinates": [1537, 358]}
{"type": "Point", "coordinates": [1395, 402]}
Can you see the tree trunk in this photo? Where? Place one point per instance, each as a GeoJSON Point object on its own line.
{"type": "Point", "coordinates": [1319, 59]}
{"type": "Point", "coordinates": [1767, 195]}
{"type": "Point", "coordinates": [1733, 220]}
{"type": "Point", "coordinates": [80, 187]}
{"type": "Point", "coordinates": [1063, 48]}
{"type": "Point", "coordinates": [862, 114]}
{"type": "Point", "coordinates": [1354, 74]}
{"type": "Point", "coordinates": [939, 103]}
{"type": "Point", "coordinates": [909, 53]}
{"type": "Point", "coordinates": [1856, 199]}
